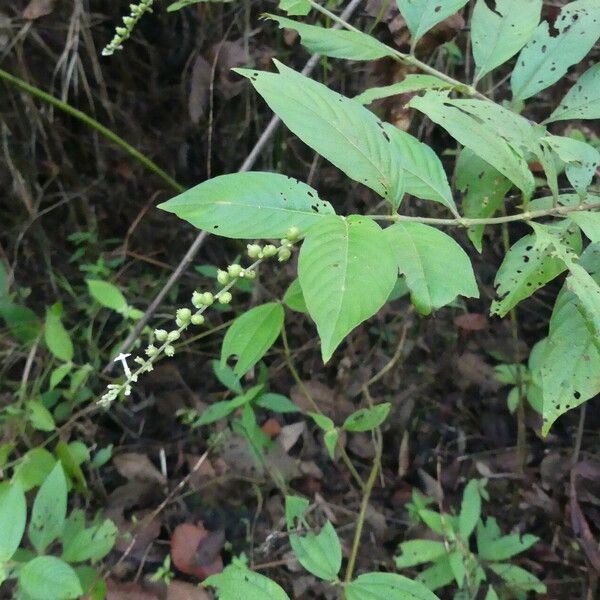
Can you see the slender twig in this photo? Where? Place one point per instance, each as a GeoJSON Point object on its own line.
{"type": "Point", "coordinates": [91, 122]}
{"type": "Point", "coordinates": [529, 215]}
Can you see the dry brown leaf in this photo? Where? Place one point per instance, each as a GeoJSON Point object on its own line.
{"type": "Point", "coordinates": [38, 8]}
{"type": "Point", "coordinates": [290, 434]}
{"type": "Point", "coordinates": [192, 547]}
{"type": "Point", "coordinates": [127, 591]}
{"type": "Point", "coordinates": [136, 466]}
{"type": "Point", "coordinates": [471, 321]}
{"type": "Point", "coordinates": [199, 88]}
{"type": "Point", "coordinates": [181, 590]}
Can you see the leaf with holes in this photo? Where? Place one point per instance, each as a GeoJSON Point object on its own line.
{"type": "Point", "coordinates": [497, 35]}
{"type": "Point", "coordinates": [411, 83]}
{"type": "Point", "coordinates": [582, 100]}
{"type": "Point", "coordinates": [250, 205]}
{"type": "Point", "coordinates": [338, 128]}
{"type": "Point", "coordinates": [437, 269]}
{"type": "Point", "coordinates": [479, 134]}
{"type": "Point", "coordinates": [425, 176]}
{"type": "Point", "coordinates": [484, 189]}
{"type": "Point", "coordinates": [388, 586]}
{"type": "Point", "coordinates": [347, 271]}
{"type": "Point", "coordinates": [422, 15]}
{"type": "Point", "coordinates": [251, 335]}
{"type": "Point", "coordinates": [530, 265]}
{"type": "Point", "coordinates": [546, 58]}
{"type": "Point", "coordinates": [336, 43]}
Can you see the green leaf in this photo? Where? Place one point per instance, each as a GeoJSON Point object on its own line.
{"type": "Point", "coordinates": [175, 6]}
{"type": "Point", "coordinates": [49, 510]}
{"type": "Point", "coordinates": [588, 222]}
{"type": "Point", "coordinates": [582, 100]}
{"type": "Point", "coordinates": [481, 128]}
{"type": "Point", "coordinates": [338, 128]}
{"type": "Point", "coordinates": [411, 83]}
{"type": "Point", "coordinates": [107, 294]}
{"type": "Point", "coordinates": [528, 266]}
{"type": "Point", "coordinates": [13, 515]}
{"type": "Point", "coordinates": [251, 335]}
{"type": "Point", "coordinates": [417, 552]}
{"type": "Point", "coordinates": [491, 594]}
{"type": "Point", "coordinates": [367, 419]}
{"type": "Point", "coordinates": [437, 269]}
{"type": "Point", "coordinates": [497, 35]}
{"type": "Point", "coordinates": [71, 463]}
{"type": "Point", "coordinates": [422, 15]}
{"type": "Point", "coordinates": [226, 376]}
{"type": "Point", "coordinates": [330, 438]}
{"type": "Point", "coordinates": [484, 189]}
{"type": "Point", "coordinates": [277, 403]}
{"type": "Point", "coordinates": [347, 271]}
{"type": "Point", "coordinates": [102, 456]}
{"type": "Point", "coordinates": [39, 416]}
{"type": "Point", "coordinates": [386, 586]}
{"type": "Point", "coordinates": [336, 43]}
{"type": "Point", "coordinates": [250, 205]}
{"type": "Point", "coordinates": [546, 58]}
{"type": "Point", "coordinates": [33, 468]}
{"type": "Point", "coordinates": [294, 298]}
{"type": "Point", "coordinates": [21, 321]}
{"type": "Point", "coordinates": [570, 364]}
{"type": "Point", "coordinates": [425, 176]}
{"type": "Point", "coordinates": [582, 160]}
{"type": "Point", "coordinates": [56, 336]}
{"type": "Point", "coordinates": [519, 580]}
{"type": "Point", "coordinates": [93, 543]}
{"type": "Point", "coordinates": [323, 421]}
{"type": "Point", "coordinates": [457, 564]}
{"type": "Point", "coordinates": [49, 577]}
{"type": "Point", "coordinates": [218, 410]}
{"type": "Point", "coordinates": [438, 575]}
{"type": "Point", "coordinates": [506, 546]}
{"type": "Point", "coordinates": [236, 581]}
{"type": "Point", "coordinates": [59, 374]}
{"type": "Point", "coordinates": [295, 8]}
{"type": "Point", "coordinates": [470, 510]}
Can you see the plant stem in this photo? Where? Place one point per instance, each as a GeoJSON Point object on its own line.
{"type": "Point", "coordinates": [405, 58]}
{"type": "Point", "coordinates": [101, 129]}
{"type": "Point", "coordinates": [529, 215]}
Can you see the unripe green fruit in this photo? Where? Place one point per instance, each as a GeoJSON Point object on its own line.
{"type": "Point", "coordinates": [160, 335]}
{"type": "Point", "coordinates": [222, 277]}
{"type": "Point", "coordinates": [284, 254]}
{"type": "Point", "coordinates": [198, 300]}
{"type": "Point", "coordinates": [254, 250]}
{"type": "Point", "coordinates": [225, 298]}
{"type": "Point", "coordinates": [197, 320]}
{"type": "Point", "coordinates": [208, 298]}
{"type": "Point", "coordinates": [234, 270]}
{"type": "Point", "coordinates": [184, 314]}
{"type": "Point", "coordinates": [269, 250]}
{"type": "Point", "coordinates": [169, 350]}
{"type": "Point", "coordinates": [151, 350]}
{"type": "Point", "coordinates": [293, 234]}
{"type": "Point", "coordinates": [173, 335]}
{"type": "Point", "coordinates": [250, 274]}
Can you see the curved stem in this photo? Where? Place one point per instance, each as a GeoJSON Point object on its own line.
{"type": "Point", "coordinates": [101, 129]}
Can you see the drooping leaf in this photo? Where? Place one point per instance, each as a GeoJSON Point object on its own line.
{"type": "Point", "coordinates": [294, 298]}
{"type": "Point", "coordinates": [107, 294]}
{"type": "Point", "coordinates": [338, 128]}
{"type": "Point", "coordinates": [251, 335]}
{"type": "Point", "coordinates": [388, 586]}
{"type": "Point", "coordinates": [336, 43]}
{"type": "Point", "coordinates": [411, 83]}
{"type": "Point", "coordinates": [49, 510]}
{"type": "Point", "coordinates": [518, 579]}
{"type": "Point", "coordinates": [13, 515]}
{"type": "Point", "coordinates": [49, 577]}
{"type": "Point", "coordinates": [56, 336]}
{"type": "Point", "coordinates": [546, 58]}
{"type": "Point", "coordinates": [250, 205]}
{"type": "Point", "coordinates": [582, 100]}
{"type": "Point", "coordinates": [422, 15]}
{"type": "Point", "coordinates": [417, 552]}
{"type": "Point", "coordinates": [498, 34]}
{"type": "Point", "coordinates": [528, 266]}
{"type": "Point", "coordinates": [366, 419]}
{"type": "Point", "coordinates": [570, 366]}
{"type": "Point", "coordinates": [470, 510]}
{"type": "Point", "coordinates": [582, 160]}
{"type": "Point", "coordinates": [347, 271]}
{"type": "Point", "coordinates": [437, 269]}
{"type": "Point", "coordinates": [484, 189]}
{"type": "Point", "coordinates": [236, 581]}
{"type": "Point", "coordinates": [482, 135]}
{"type": "Point", "coordinates": [424, 173]}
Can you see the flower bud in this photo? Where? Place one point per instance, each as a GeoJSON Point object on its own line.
{"type": "Point", "coordinates": [285, 242]}
{"type": "Point", "coordinates": [197, 300]}
{"type": "Point", "coordinates": [293, 234]}
{"type": "Point", "coordinates": [250, 274]}
{"type": "Point", "coordinates": [208, 298]}
{"type": "Point", "coordinates": [225, 298]}
{"type": "Point", "coordinates": [160, 335]}
{"type": "Point", "coordinates": [254, 250]}
{"type": "Point", "coordinates": [151, 350]}
{"type": "Point", "coordinates": [222, 277]}
{"type": "Point", "coordinates": [284, 254]}
{"type": "Point", "coordinates": [197, 320]}
{"type": "Point", "coordinates": [169, 350]}
{"type": "Point", "coordinates": [269, 250]}
{"type": "Point", "coordinates": [173, 335]}
{"type": "Point", "coordinates": [234, 270]}
{"type": "Point", "coordinates": [184, 314]}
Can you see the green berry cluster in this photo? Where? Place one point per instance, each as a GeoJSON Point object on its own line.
{"type": "Point", "coordinates": [124, 32]}
{"type": "Point", "coordinates": [163, 340]}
